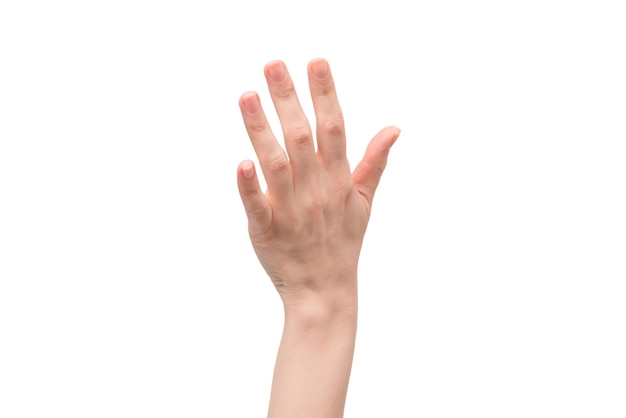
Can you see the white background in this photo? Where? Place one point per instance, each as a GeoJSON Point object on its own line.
{"type": "Point", "coordinates": [492, 274]}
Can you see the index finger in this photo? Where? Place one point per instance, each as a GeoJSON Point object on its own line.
{"type": "Point", "coordinates": [330, 128]}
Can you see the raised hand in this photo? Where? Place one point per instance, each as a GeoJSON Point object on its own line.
{"type": "Point", "coordinates": [307, 229]}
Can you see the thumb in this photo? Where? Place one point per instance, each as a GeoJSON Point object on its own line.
{"type": "Point", "coordinates": [367, 173]}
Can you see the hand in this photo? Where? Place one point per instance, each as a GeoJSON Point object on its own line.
{"type": "Point", "coordinates": [308, 228]}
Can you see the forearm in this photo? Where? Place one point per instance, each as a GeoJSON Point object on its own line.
{"type": "Point", "coordinates": [307, 229]}
{"type": "Point", "coordinates": [314, 362]}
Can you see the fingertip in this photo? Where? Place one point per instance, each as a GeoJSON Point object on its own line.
{"type": "Point", "coordinates": [387, 136]}
{"type": "Point", "coordinates": [246, 95]}
{"type": "Point", "coordinates": [275, 71]}
{"type": "Point", "coordinates": [392, 130]}
{"type": "Point", "coordinates": [253, 199]}
{"type": "Point", "coordinates": [250, 102]}
{"type": "Point", "coordinates": [319, 67]}
{"type": "Point", "coordinates": [248, 182]}
{"type": "Point", "coordinates": [318, 59]}
{"type": "Point", "coordinates": [384, 139]}
{"type": "Point", "coordinates": [272, 63]}
{"type": "Point", "coordinates": [246, 168]}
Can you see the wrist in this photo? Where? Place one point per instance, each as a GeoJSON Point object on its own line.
{"type": "Point", "coordinates": [315, 357]}
{"type": "Point", "coordinates": [313, 315]}
{"type": "Point", "coordinates": [320, 328]}
{"type": "Point", "coordinates": [324, 305]}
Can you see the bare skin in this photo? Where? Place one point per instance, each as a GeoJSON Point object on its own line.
{"type": "Point", "coordinates": [307, 230]}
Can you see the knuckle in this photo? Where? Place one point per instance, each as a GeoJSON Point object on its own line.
{"type": "Point", "coordinates": [334, 125]}
{"type": "Point", "coordinates": [285, 92]}
{"type": "Point", "coordinates": [254, 211]}
{"type": "Point", "coordinates": [248, 192]}
{"type": "Point", "coordinates": [257, 127]}
{"type": "Point", "coordinates": [278, 164]}
{"type": "Point", "coordinates": [326, 89]}
{"type": "Point", "coordinates": [300, 135]}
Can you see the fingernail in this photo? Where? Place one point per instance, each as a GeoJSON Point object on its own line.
{"type": "Point", "coordinates": [276, 70]}
{"type": "Point", "coordinates": [247, 169]}
{"type": "Point", "coordinates": [320, 68]}
{"type": "Point", "coordinates": [251, 103]}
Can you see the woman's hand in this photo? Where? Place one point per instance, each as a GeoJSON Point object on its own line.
{"type": "Point", "coordinates": [307, 229]}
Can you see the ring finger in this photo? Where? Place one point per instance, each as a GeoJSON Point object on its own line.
{"type": "Point", "coordinates": [296, 128]}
